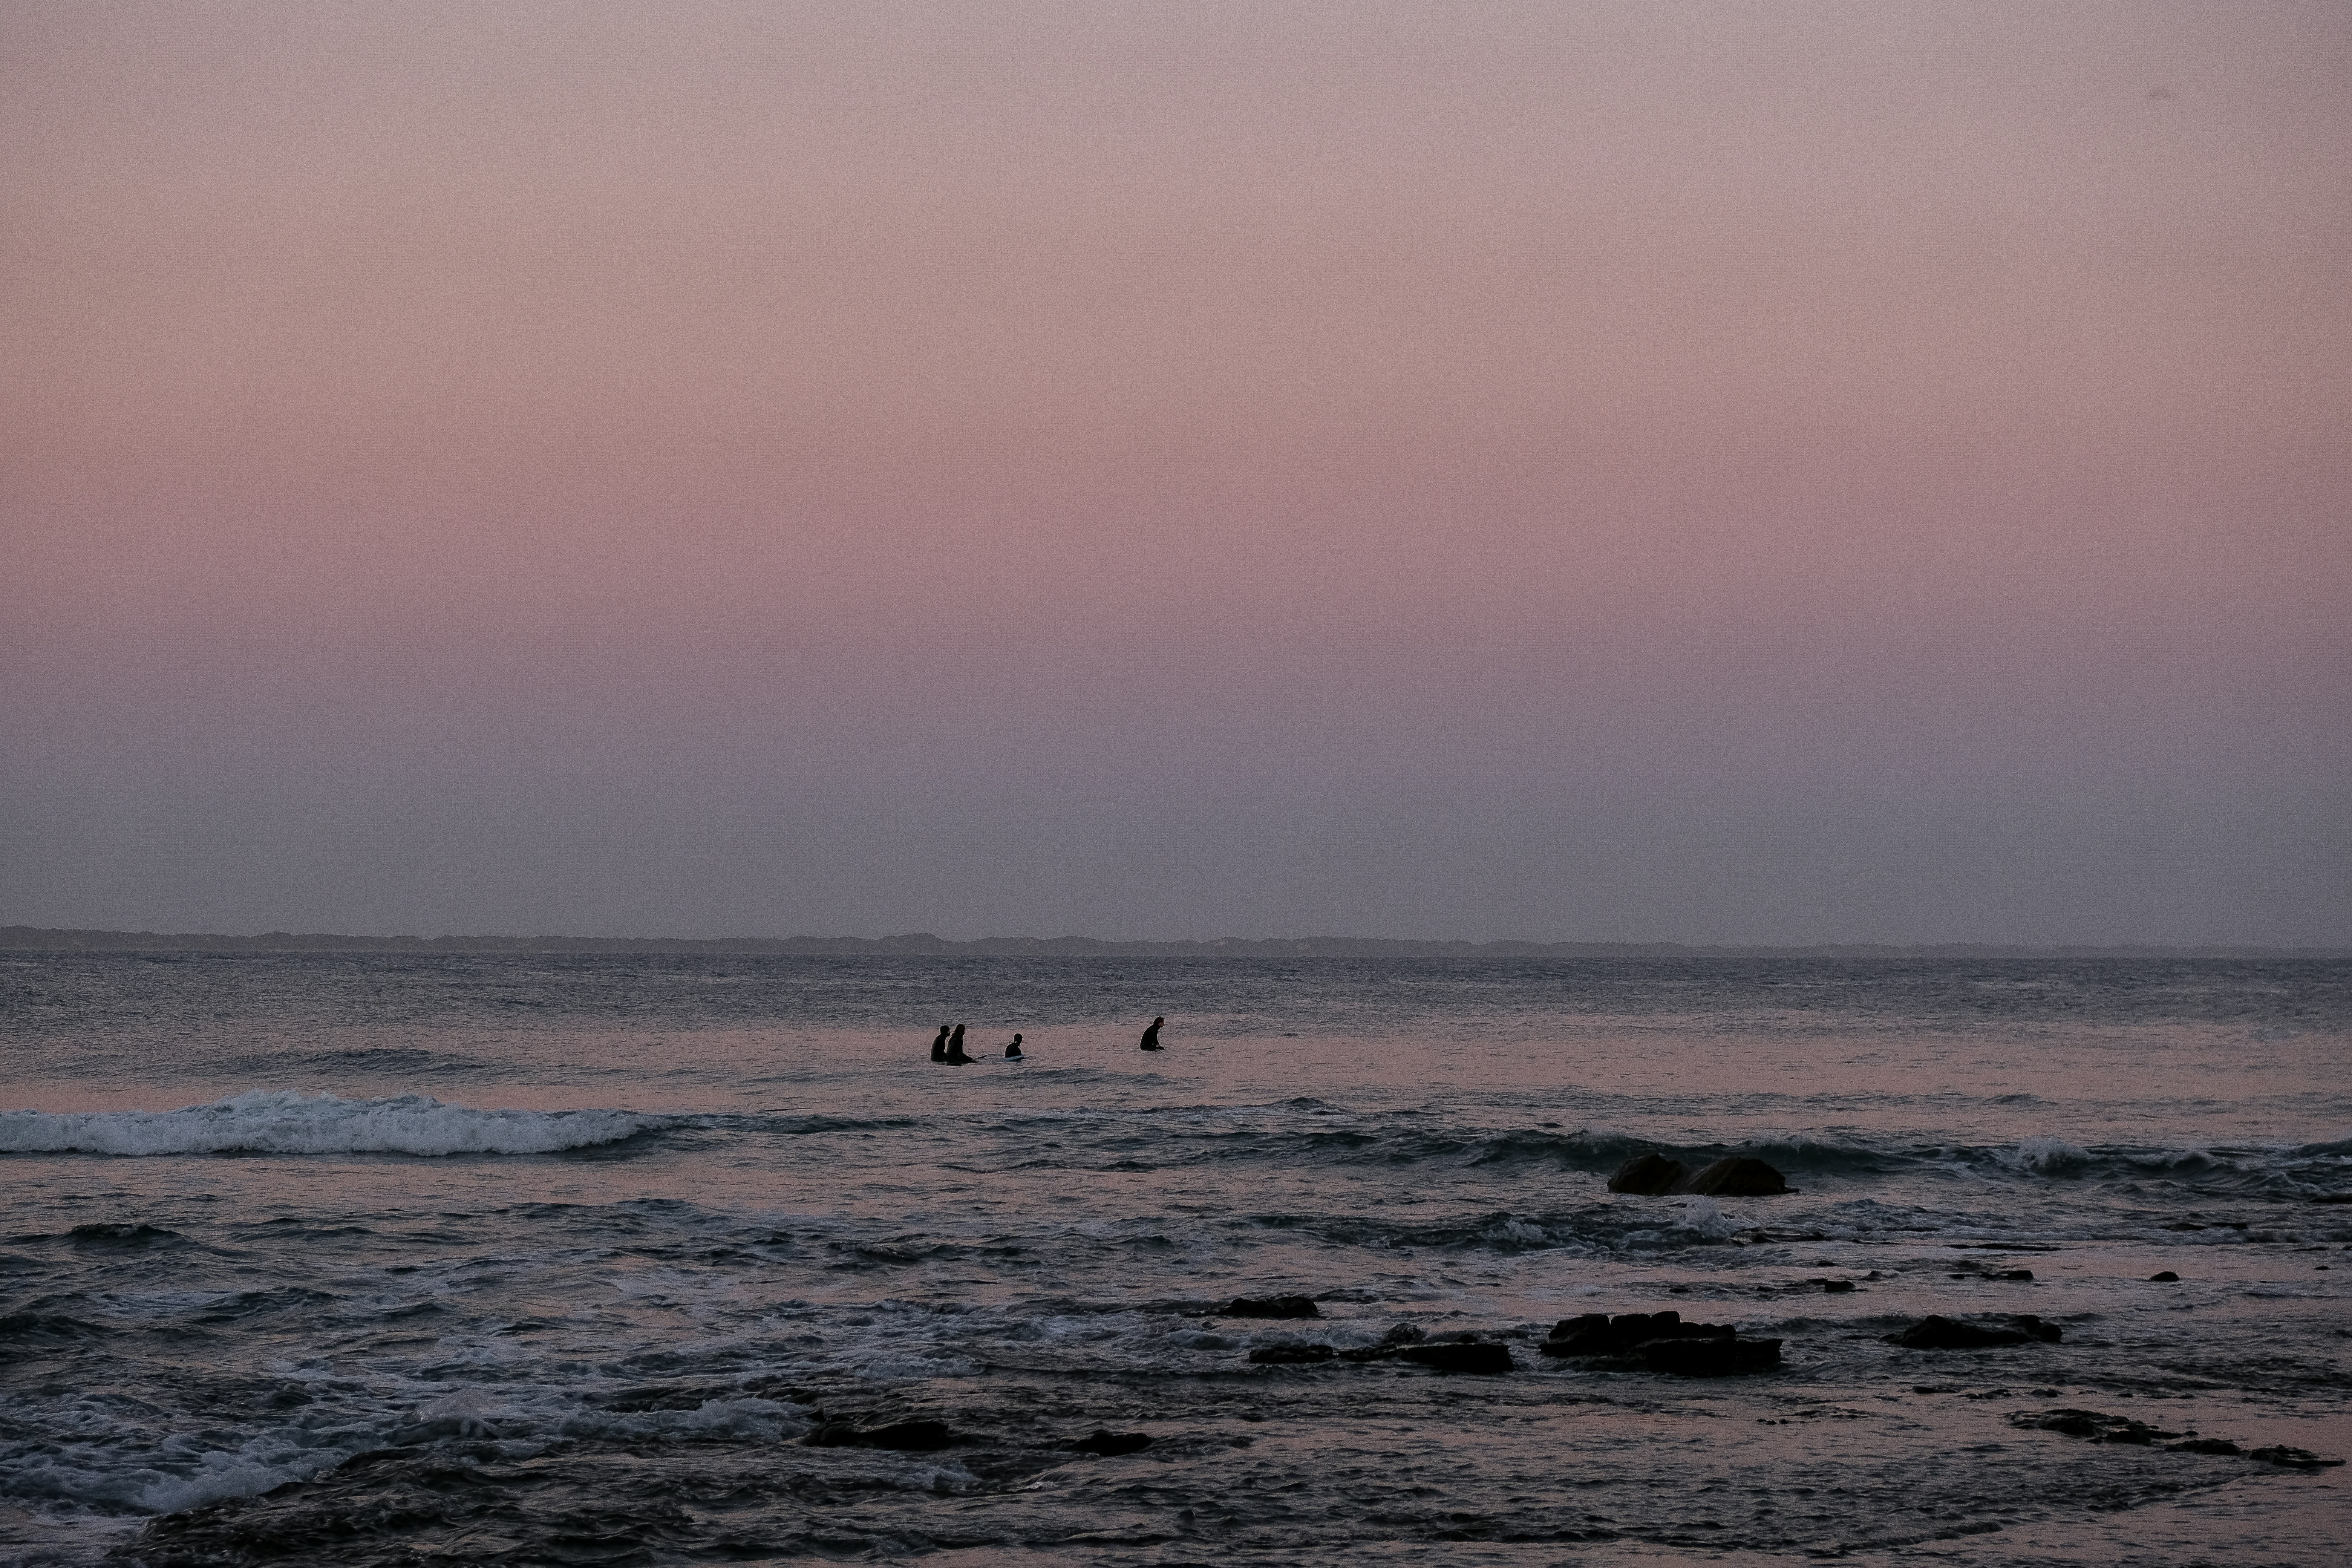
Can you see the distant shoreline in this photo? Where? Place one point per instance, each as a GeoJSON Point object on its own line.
{"type": "Point", "coordinates": [923, 943]}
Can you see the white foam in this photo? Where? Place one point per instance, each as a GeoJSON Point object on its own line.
{"type": "Point", "coordinates": [2050, 1156]}
{"type": "Point", "coordinates": [286, 1121]}
{"type": "Point", "coordinates": [1705, 1216]}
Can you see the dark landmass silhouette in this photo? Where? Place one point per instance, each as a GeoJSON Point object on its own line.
{"type": "Point", "coordinates": [25, 938]}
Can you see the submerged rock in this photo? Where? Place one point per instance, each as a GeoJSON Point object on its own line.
{"type": "Point", "coordinates": [1940, 1333]}
{"type": "Point", "coordinates": [1291, 1356]}
{"type": "Point", "coordinates": [1710, 1357]}
{"type": "Point", "coordinates": [1399, 1336]}
{"type": "Point", "coordinates": [2101, 1427]}
{"type": "Point", "coordinates": [1650, 1175]}
{"type": "Point", "coordinates": [2163, 1276]}
{"type": "Point", "coordinates": [1737, 1176]}
{"type": "Point", "coordinates": [1477, 1358]}
{"type": "Point", "coordinates": [1107, 1442]}
{"type": "Point", "coordinates": [1733, 1176]}
{"type": "Point", "coordinates": [903, 1436]}
{"type": "Point", "coordinates": [2097, 1425]}
{"type": "Point", "coordinates": [1271, 1306]}
{"type": "Point", "coordinates": [1662, 1343]}
{"type": "Point", "coordinates": [1598, 1333]}
{"type": "Point", "coordinates": [2292, 1459]}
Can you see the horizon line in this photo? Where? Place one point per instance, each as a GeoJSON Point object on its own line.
{"type": "Point", "coordinates": [22, 938]}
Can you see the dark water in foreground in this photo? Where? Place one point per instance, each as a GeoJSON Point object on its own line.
{"type": "Point", "coordinates": [524, 1259]}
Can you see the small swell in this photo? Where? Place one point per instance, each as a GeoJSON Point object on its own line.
{"type": "Point", "coordinates": [285, 1121]}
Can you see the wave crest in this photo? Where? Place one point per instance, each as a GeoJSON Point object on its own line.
{"type": "Point", "coordinates": [286, 1121]}
{"type": "Point", "coordinates": [2049, 1157]}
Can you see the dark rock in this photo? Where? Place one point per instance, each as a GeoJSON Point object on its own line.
{"type": "Point", "coordinates": [2103, 1428]}
{"type": "Point", "coordinates": [1481, 1358]}
{"type": "Point", "coordinates": [1663, 1342]}
{"type": "Point", "coordinates": [1650, 1175]}
{"type": "Point", "coordinates": [1271, 1306]}
{"type": "Point", "coordinates": [1392, 1343]}
{"type": "Point", "coordinates": [903, 1436]}
{"type": "Point", "coordinates": [1576, 1328]}
{"type": "Point", "coordinates": [2165, 1277]}
{"type": "Point", "coordinates": [1940, 1333]}
{"type": "Point", "coordinates": [2292, 1459]}
{"type": "Point", "coordinates": [1107, 1442]}
{"type": "Point", "coordinates": [2333, 1198]}
{"type": "Point", "coordinates": [1737, 1176]}
{"type": "Point", "coordinates": [1597, 1334]}
{"type": "Point", "coordinates": [1710, 1357]}
{"type": "Point", "coordinates": [1837, 1287]}
{"type": "Point", "coordinates": [2091, 1424]}
{"type": "Point", "coordinates": [1290, 1355]}
{"type": "Point", "coordinates": [2014, 1274]}
{"type": "Point", "coordinates": [2074, 1423]}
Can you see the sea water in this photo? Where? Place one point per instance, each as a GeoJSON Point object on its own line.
{"type": "Point", "coordinates": [380, 1259]}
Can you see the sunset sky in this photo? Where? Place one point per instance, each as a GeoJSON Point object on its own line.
{"type": "Point", "coordinates": [1762, 473]}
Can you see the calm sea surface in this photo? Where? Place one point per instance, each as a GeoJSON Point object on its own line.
{"type": "Point", "coordinates": [373, 1258]}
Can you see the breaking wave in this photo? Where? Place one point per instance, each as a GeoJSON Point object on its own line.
{"type": "Point", "coordinates": [286, 1121]}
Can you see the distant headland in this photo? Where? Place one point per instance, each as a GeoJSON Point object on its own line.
{"type": "Point", "coordinates": [917, 943]}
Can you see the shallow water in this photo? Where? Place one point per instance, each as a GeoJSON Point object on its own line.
{"type": "Point", "coordinates": [525, 1258]}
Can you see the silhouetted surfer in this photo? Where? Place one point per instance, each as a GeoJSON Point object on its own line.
{"type": "Point", "coordinates": [939, 1046]}
{"type": "Point", "coordinates": [1151, 1036]}
{"type": "Point", "coordinates": [955, 1047]}
{"type": "Point", "coordinates": [1012, 1051]}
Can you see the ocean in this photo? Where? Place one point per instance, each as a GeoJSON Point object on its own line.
{"type": "Point", "coordinates": [394, 1260]}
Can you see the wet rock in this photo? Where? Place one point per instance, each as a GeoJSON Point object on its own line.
{"type": "Point", "coordinates": [902, 1436]}
{"type": "Point", "coordinates": [1291, 1356]}
{"type": "Point", "coordinates": [1107, 1442]}
{"type": "Point", "coordinates": [2096, 1426]}
{"type": "Point", "coordinates": [1710, 1357]}
{"type": "Point", "coordinates": [2026, 1273]}
{"type": "Point", "coordinates": [1737, 1176]}
{"type": "Point", "coordinates": [2292, 1459]}
{"type": "Point", "coordinates": [1579, 1330]}
{"type": "Point", "coordinates": [1597, 1333]}
{"type": "Point", "coordinates": [1392, 1343]}
{"type": "Point", "coordinates": [2101, 1427]}
{"type": "Point", "coordinates": [2163, 1276]}
{"type": "Point", "coordinates": [1271, 1306]}
{"type": "Point", "coordinates": [2333, 1198]}
{"type": "Point", "coordinates": [1941, 1333]}
{"type": "Point", "coordinates": [1837, 1287]}
{"type": "Point", "coordinates": [1650, 1175]}
{"type": "Point", "coordinates": [1474, 1358]}
{"type": "Point", "coordinates": [1662, 1343]}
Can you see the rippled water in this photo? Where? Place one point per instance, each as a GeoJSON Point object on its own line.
{"type": "Point", "coordinates": [519, 1259]}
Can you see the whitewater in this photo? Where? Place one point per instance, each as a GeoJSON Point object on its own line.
{"type": "Point", "coordinates": [627, 1259]}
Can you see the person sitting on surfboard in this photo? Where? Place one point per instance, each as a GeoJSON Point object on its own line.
{"type": "Point", "coordinates": [955, 1047]}
{"type": "Point", "coordinates": [939, 1046]}
{"type": "Point", "coordinates": [1151, 1036]}
{"type": "Point", "coordinates": [1012, 1051]}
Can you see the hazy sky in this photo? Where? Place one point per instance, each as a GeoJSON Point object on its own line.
{"type": "Point", "coordinates": [1735, 472]}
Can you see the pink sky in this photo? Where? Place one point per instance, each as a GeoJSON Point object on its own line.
{"type": "Point", "coordinates": [1702, 472]}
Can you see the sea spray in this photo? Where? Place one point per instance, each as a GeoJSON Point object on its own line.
{"type": "Point", "coordinates": [286, 1121]}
